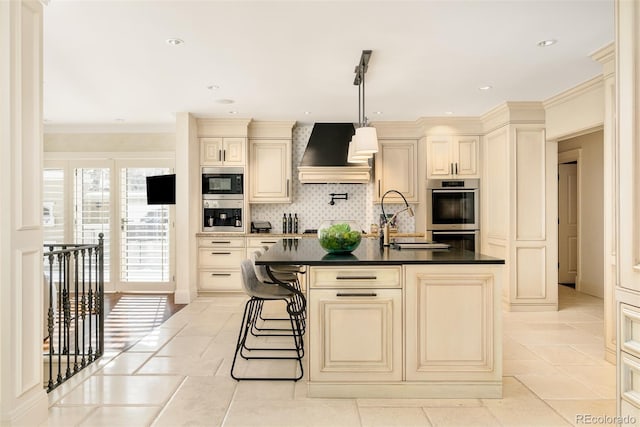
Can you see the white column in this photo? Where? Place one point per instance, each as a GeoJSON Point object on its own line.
{"type": "Point", "coordinates": [187, 207]}
{"type": "Point", "coordinates": [23, 400]}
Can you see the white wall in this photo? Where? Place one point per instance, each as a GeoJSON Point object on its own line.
{"type": "Point", "coordinates": [591, 207]}
{"type": "Point", "coordinates": [109, 142]}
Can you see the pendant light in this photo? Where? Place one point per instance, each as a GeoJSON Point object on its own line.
{"type": "Point", "coordinates": [352, 156]}
{"type": "Point", "coordinates": [366, 142]}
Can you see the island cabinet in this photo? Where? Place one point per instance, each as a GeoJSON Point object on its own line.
{"type": "Point", "coordinates": [396, 168]}
{"type": "Point", "coordinates": [222, 151]}
{"type": "Point", "coordinates": [270, 165]}
{"type": "Point", "coordinates": [355, 324]}
{"type": "Point", "coordinates": [453, 156]}
{"type": "Point", "coordinates": [452, 318]}
{"type": "Point", "coordinates": [219, 261]}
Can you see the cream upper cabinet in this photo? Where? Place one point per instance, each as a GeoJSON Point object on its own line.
{"type": "Point", "coordinates": [270, 171]}
{"type": "Point", "coordinates": [396, 168]}
{"type": "Point", "coordinates": [222, 151]}
{"type": "Point", "coordinates": [453, 157]}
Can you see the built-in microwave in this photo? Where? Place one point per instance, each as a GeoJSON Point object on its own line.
{"type": "Point", "coordinates": [222, 183]}
{"type": "Point", "coordinates": [453, 204]}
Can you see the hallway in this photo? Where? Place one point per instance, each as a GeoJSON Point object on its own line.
{"type": "Point", "coordinates": [554, 373]}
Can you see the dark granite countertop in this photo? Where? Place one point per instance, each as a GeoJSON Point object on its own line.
{"type": "Point", "coordinates": [309, 252]}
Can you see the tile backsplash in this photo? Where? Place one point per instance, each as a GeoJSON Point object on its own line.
{"type": "Point", "coordinates": [311, 201]}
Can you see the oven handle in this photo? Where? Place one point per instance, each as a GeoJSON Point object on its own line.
{"type": "Point", "coordinates": [434, 232]}
{"type": "Point", "coordinates": [453, 190]}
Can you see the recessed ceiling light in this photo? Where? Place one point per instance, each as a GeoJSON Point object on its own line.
{"type": "Point", "coordinates": [487, 87]}
{"type": "Point", "coordinates": [119, 119]}
{"type": "Point", "coordinates": [233, 112]}
{"type": "Point", "coordinates": [545, 43]}
{"type": "Point", "coordinates": [225, 101]}
{"type": "Point", "coordinates": [448, 113]}
{"type": "Point", "coordinates": [377, 112]}
{"type": "Point", "coordinates": [306, 113]}
{"type": "Point", "coordinates": [175, 42]}
{"type": "Point", "coordinates": [213, 87]}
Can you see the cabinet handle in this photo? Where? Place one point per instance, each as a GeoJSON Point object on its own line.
{"type": "Point", "coordinates": [287, 187]}
{"type": "Point", "coordinates": [451, 168]}
{"type": "Point", "coordinates": [456, 168]}
{"type": "Point", "coordinates": [220, 253]}
{"type": "Point", "coordinates": [356, 277]}
{"type": "Point", "coordinates": [221, 274]}
{"type": "Point", "coordinates": [268, 242]}
{"type": "Point", "coordinates": [224, 155]}
{"type": "Point", "coordinates": [356, 294]}
{"type": "Point", "coordinates": [220, 242]}
{"type": "Point", "coordinates": [219, 155]}
{"type": "Point", "coordinates": [378, 189]}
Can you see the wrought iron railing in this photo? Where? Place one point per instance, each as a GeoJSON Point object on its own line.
{"type": "Point", "coordinates": [74, 288]}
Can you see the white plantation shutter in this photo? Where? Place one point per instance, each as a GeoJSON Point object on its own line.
{"type": "Point", "coordinates": [92, 208]}
{"type": "Point", "coordinates": [53, 211]}
{"type": "Point", "coordinates": [144, 230]}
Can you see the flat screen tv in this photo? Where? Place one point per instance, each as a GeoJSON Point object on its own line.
{"type": "Point", "coordinates": [161, 190]}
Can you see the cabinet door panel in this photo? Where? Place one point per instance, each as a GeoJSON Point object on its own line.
{"type": "Point", "coordinates": [466, 155]}
{"type": "Point", "coordinates": [397, 169]}
{"type": "Point", "coordinates": [234, 151]}
{"type": "Point", "coordinates": [270, 163]}
{"type": "Point", "coordinates": [211, 151]}
{"type": "Point", "coordinates": [439, 157]}
{"type": "Point", "coordinates": [450, 326]}
{"type": "Point", "coordinates": [355, 337]}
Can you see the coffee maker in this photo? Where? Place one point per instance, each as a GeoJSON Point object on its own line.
{"type": "Point", "coordinates": [222, 215]}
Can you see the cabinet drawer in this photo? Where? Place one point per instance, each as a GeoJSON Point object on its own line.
{"type": "Point", "coordinates": [221, 257]}
{"type": "Point", "coordinates": [355, 277]}
{"type": "Point", "coordinates": [630, 329]}
{"type": "Point", "coordinates": [220, 280]}
{"type": "Point", "coordinates": [258, 242]}
{"type": "Point", "coordinates": [221, 242]}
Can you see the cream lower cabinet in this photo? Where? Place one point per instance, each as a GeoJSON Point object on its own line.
{"type": "Point", "coordinates": [356, 324]}
{"type": "Point", "coordinates": [256, 243]}
{"type": "Point", "coordinates": [219, 261]}
{"type": "Point", "coordinates": [453, 323]}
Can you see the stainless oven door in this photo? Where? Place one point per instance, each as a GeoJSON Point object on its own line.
{"type": "Point", "coordinates": [467, 240]}
{"type": "Point", "coordinates": [452, 209]}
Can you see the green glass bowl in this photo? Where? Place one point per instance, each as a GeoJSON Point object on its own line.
{"type": "Point", "coordinates": [338, 236]}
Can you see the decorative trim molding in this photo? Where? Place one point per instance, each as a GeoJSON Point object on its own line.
{"type": "Point", "coordinates": [271, 130]}
{"type": "Point", "coordinates": [575, 92]}
{"type": "Point", "coordinates": [223, 127]}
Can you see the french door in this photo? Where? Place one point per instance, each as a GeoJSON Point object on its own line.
{"type": "Point", "coordinates": [145, 231]}
{"type": "Point", "coordinates": [83, 198]}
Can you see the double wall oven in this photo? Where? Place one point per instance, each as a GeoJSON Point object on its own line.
{"type": "Point", "coordinates": [453, 208]}
{"type": "Point", "coordinates": [222, 199]}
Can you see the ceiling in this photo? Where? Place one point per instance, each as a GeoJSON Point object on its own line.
{"type": "Point", "coordinates": [107, 63]}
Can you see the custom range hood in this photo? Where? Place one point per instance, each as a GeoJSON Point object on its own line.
{"type": "Point", "coordinates": [325, 157]}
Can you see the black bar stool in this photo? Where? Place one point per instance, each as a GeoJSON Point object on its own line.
{"type": "Point", "coordinates": [259, 292]}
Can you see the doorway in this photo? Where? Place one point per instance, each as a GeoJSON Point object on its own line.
{"type": "Point", "coordinates": [568, 223]}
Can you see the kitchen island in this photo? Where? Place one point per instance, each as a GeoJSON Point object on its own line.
{"type": "Point", "coordinates": [411, 323]}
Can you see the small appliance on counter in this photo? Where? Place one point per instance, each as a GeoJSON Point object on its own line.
{"type": "Point", "coordinates": [260, 227]}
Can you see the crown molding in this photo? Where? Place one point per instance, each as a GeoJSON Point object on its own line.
{"type": "Point", "coordinates": [595, 83]}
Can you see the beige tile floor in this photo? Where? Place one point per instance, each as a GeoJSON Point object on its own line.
{"type": "Point", "coordinates": [178, 375]}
